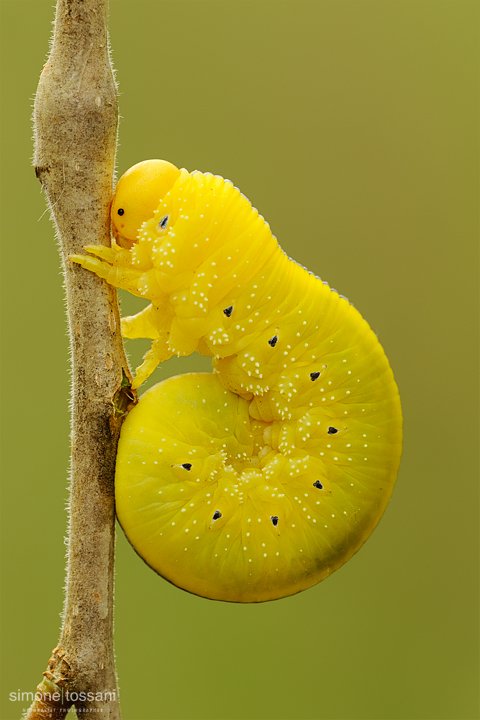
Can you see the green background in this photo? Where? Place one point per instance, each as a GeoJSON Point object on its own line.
{"type": "Point", "coordinates": [352, 126]}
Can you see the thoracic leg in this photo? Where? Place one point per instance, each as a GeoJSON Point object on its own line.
{"type": "Point", "coordinates": [157, 354]}
{"type": "Point", "coordinates": [124, 278]}
{"type": "Point", "coordinates": [142, 325]}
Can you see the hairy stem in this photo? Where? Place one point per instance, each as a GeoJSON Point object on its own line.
{"type": "Point", "coordinates": [76, 118]}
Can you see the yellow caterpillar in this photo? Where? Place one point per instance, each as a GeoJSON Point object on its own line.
{"type": "Point", "coordinates": [260, 479]}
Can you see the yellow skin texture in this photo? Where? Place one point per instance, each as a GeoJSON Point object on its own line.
{"type": "Point", "coordinates": [259, 480]}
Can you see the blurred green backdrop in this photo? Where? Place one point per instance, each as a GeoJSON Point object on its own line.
{"type": "Point", "coordinates": [352, 126]}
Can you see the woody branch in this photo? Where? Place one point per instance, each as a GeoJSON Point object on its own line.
{"type": "Point", "coordinates": [76, 118]}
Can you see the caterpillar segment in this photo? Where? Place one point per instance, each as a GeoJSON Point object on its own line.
{"type": "Point", "coordinates": [260, 479]}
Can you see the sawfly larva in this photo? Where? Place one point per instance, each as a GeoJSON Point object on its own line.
{"type": "Point", "coordinates": [260, 479]}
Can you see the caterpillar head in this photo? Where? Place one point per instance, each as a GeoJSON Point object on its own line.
{"type": "Point", "coordinates": [137, 196]}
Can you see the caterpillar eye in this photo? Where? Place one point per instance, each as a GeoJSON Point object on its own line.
{"type": "Point", "coordinates": [228, 311]}
{"type": "Point", "coordinates": [273, 341]}
{"type": "Point", "coordinates": [318, 485]}
{"type": "Point", "coordinates": [187, 466]}
{"type": "Point", "coordinates": [274, 519]}
{"type": "Point", "coordinates": [163, 222]}
{"type": "Point", "coordinates": [315, 375]}
{"type": "Point", "coordinates": [332, 430]}
{"type": "Point", "coordinates": [121, 211]}
{"type": "Point", "coordinates": [217, 514]}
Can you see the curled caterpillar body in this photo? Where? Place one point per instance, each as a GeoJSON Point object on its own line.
{"type": "Point", "coordinates": [259, 480]}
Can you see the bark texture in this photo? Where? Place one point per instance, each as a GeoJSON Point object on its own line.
{"type": "Point", "coordinates": [76, 118]}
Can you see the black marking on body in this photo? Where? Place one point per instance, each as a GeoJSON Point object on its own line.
{"type": "Point", "coordinates": [187, 466]}
{"type": "Point", "coordinates": [315, 375]}
{"type": "Point", "coordinates": [163, 222]}
{"type": "Point", "coordinates": [274, 519]}
{"type": "Point", "coordinates": [121, 211]}
{"type": "Point", "coordinates": [318, 485]}
{"type": "Point", "coordinates": [228, 311]}
{"type": "Point", "coordinates": [273, 341]}
{"type": "Point", "coordinates": [217, 514]}
{"type": "Point", "coordinates": [332, 430]}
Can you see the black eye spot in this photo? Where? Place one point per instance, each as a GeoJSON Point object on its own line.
{"type": "Point", "coordinates": [332, 430]}
{"type": "Point", "coordinates": [274, 519]}
{"type": "Point", "coordinates": [163, 222]}
{"type": "Point", "coordinates": [228, 311]}
{"type": "Point", "coordinates": [187, 466]}
{"type": "Point", "coordinates": [121, 211]}
{"type": "Point", "coordinates": [318, 485]}
{"type": "Point", "coordinates": [217, 514]}
{"type": "Point", "coordinates": [273, 341]}
{"type": "Point", "coordinates": [315, 375]}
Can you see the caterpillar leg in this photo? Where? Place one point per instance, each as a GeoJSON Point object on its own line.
{"type": "Point", "coordinates": [157, 354]}
{"type": "Point", "coordinates": [142, 325]}
{"type": "Point", "coordinates": [103, 252]}
{"type": "Point", "coordinates": [120, 277]}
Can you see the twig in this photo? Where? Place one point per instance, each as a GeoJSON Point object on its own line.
{"type": "Point", "coordinates": [76, 117]}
